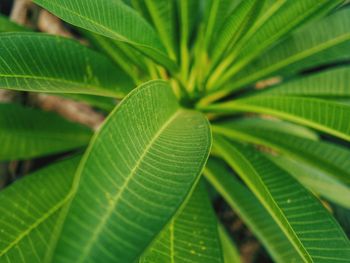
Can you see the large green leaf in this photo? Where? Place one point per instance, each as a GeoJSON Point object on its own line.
{"type": "Point", "coordinates": [275, 23]}
{"type": "Point", "coordinates": [30, 213]}
{"type": "Point", "coordinates": [324, 115]}
{"type": "Point", "coordinates": [321, 42]}
{"type": "Point", "coordinates": [8, 26]}
{"type": "Point", "coordinates": [44, 63]}
{"type": "Point", "coordinates": [138, 170]}
{"type": "Point", "coordinates": [330, 164]}
{"type": "Point", "coordinates": [191, 236]}
{"type": "Point", "coordinates": [314, 233]}
{"type": "Point", "coordinates": [332, 83]}
{"type": "Point", "coordinates": [254, 215]}
{"type": "Point", "coordinates": [113, 19]}
{"type": "Point", "coordinates": [26, 133]}
{"type": "Point", "coordinates": [331, 158]}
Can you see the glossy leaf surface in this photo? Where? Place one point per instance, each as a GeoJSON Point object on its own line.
{"type": "Point", "coordinates": [113, 19]}
{"type": "Point", "coordinates": [322, 42]}
{"type": "Point", "coordinates": [52, 64]}
{"type": "Point", "coordinates": [191, 236]}
{"type": "Point", "coordinates": [30, 221]}
{"type": "Point", "coordinates": [314, 233]}
{"type": "Point", "coordinates": [249, 209]}
{"type": "Point", "coordinates": [138, 170]}
{"type": "Point", "coordinates": [324, 115]}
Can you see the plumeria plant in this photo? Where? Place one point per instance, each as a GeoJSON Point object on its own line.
{"type": "Point", "coordinates": [243, 99]}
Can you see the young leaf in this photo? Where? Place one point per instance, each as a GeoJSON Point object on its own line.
{"type": "Point", "coordinates": [45, 63]}
{"type": "Point", "coordinates": [26, 133]}
{"type": "Point", "coordinates": [314, 233]}
{"type": "Point", "coordinates": [324, 41]}
{"type": "Point", "coordinates": [215, 15]}
{"type": "Point", "coordinates": [234, 27]}
{"type": "Point", "coordinates": [270, 28]}
{"type": "Point", "coordinates": [30, 213]}
{"type": "Point", "coordinates": [163, 14]}
{"type": "Point", "coordinates": [192, 235]}
{"type": "Point", "coordinates": [188, 14]}
{"type": "Point", "coordinates": [112, 19]}
{"type": "Point", "coordinates": [138, 170]}
{"type": "Point", "coordinates": [324, 115]}
{"type": "Point", "coordinates": [254, 215]}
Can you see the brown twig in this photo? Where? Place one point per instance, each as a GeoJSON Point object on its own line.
{"type": "Point", "coordinates": [72, 110]}
{"type": "Point", "coordinates": [51, 24]}
{"type": "Point", "coordinates": [20, 10]}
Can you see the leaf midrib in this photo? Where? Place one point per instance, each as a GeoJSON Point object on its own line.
{"type": "Point", "coordinates": [112, 32]}
{"type": "Point", "coordinates": [235, 134]}
{"type": "Point", "coordinates": [37, 223]}
{"type": "Point", "coordinates": [296, 241]}
{"type": "Point", "coordinates": [65, 81]}
{"type": "Point", "coordinates": [115, 200]}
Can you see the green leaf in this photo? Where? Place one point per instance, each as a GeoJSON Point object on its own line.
{"type": "Point", "coordinates": [276, 23]}
{"type": "Point", "coordinates": [8, 26]}
{"type": "Point", "coordinates": [137, 171]}
{"type": "Point", "coordinates": [189, 12]}
{"type": "Point", "coordinates": [315, 180]}
{"type": "Point", "coordinates": [31, 213]}
{"type": "Point", "coordinates": [44, 63]}
{"type": "Point", "coordinates": [191, 236]}
{"type": "Point", "coordinates": [216, 12]}
{"type": "Point", "coordinates": [26, 133]}
{"type": "Point", "coordinates": [230, 251]}
{"type": "Point", "coordinates": [323, 41]}
{"type": "Point", "coordinates": [332, 159]}
{"type": "Point", "coordinates": [324, 115]}
{"type": "Point", "coordinates": [121, 57]}
{"type": "Point", "coordinates": [234, 27]}
{"type": "Point", "coordinates": [333, 83]}
{"type": "Point", "coordinates": [163, 14]}
{"type": "Point", "coordinates": [112, 19]}
{"type": "Point", "coordinates": [343, 217]}
{"type": "Point", "coordinates": [321, 166]}
{"type": "Point", "coordinates": [254, 215]}
{"type": "Point", "coordinates": [314, 233]}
